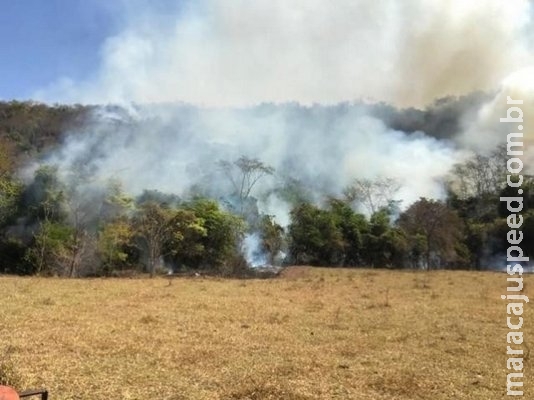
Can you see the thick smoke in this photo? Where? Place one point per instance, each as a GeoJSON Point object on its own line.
{"type": "Point", "coordinates": [252, 251]}
{"type": "Point", "coordinates": [219, 56]}
{"type": "Point", "coordinates": [272, 79]}
{"type": "Point", "coordinates": [176, 149]}
{"type": "Point", "coordinates": [483, 131]}
{"type": "Point", "coordinates": [215, 52]}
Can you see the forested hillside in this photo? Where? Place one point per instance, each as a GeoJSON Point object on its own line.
{"type": "Point", "coordinates": [84, 191]}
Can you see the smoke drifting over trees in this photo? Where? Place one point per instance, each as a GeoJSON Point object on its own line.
{"type": "Point", "coordinates": [317, 96]}
{"type": "Point", "coordinates": [242, 66]}
{"type": "Point", "coordinates": [176, 149]}
{"type": "Point", "coordinates": [335, 177]}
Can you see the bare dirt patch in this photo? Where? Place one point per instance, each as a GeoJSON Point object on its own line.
{"type": "Point", "coordinates": [296, 272]}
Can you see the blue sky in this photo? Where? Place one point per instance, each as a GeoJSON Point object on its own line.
{"type": "Point", "coordinates": [44, 40]}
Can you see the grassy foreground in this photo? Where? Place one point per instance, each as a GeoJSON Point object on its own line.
{"type": "Point", "coordinates": [310, 334]}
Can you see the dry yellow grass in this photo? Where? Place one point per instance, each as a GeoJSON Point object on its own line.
{"type": "Point", "coordinates": [311, 334]}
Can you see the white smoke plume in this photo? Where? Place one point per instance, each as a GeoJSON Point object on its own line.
{"type": "Point", "coordinates": [216, 52]}
{"type": "Point", "coordinates": [241, 64]}
{"type": "Point", "coordinates": [252, 251]}
{"type": "Point", "coordinates": [484, 131]}
{"type": "Point", "coordinates": [173, 148]}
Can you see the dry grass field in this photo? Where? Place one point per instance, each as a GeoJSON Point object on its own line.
{"type": "Point", "coordinates": [310, 334]}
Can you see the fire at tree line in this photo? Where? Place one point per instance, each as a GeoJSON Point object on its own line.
{"type": "Point", "coordinates": [47, 227]}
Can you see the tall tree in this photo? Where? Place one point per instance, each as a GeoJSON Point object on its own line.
{"type": "Point", "coordinates": [44, 204]}
{"type": "Point", "coordinates": [223, 234]}
{"type": "Point", "coordinates": [437, 226]}
{"type": "Point", "coordinates": [185, 242]}
{"type": "Point", "coordinates": [114, 239]}
{"type": "Point", "coordinates": [384, 245]}
{"type": "Point", "coordinates": [44, 199]}
{"type": "Point", "coordinates": [314, 237]}
{"type": "Point", "coordinates": [244, 174]}
{"type": "Point", "coordinates": [10, 188]}
{"type": "Point", "coordinates": [116, 233]}
{"type": "Point", "coordinates": [52, 248]}
{"type": "Point", "coordinates": [352, 226]}
{"type": "Point", "coordinates": [153, 227]}
{"type": "Point", "coordinates": [481, 175]}
{"type": "Point", "coordinates": [372, 195]}
{"type": "Point", "coordinates": [272, 238]}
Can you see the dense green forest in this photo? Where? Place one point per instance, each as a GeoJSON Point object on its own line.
{"type": "Point", "coordinates": [49, 226]}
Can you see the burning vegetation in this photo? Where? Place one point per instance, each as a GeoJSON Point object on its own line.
{"type": "Point", "coordinates": [117, 190]}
